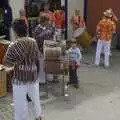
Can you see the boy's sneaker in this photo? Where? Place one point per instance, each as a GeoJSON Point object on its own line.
{"type": "Point", "coordinates": [110, 54]}
{"type": "Point", "coordinates": [96, 65]}
{"type": "Point", "coordinates": [76, 86]}
{"type": "Point", "coordinates": [39, 118]}
{"type": "Point", "coordinates": [28, 98]}
{"type": "Point", "coordinates": [69, 83]}
{"type": "Point", "coordinates": [106, 66]}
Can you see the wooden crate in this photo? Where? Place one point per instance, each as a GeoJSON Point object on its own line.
{"type": "Point", "coordinates": [3, 48]}
{"type": "Point", "coordinates": [2, 53]}
{"type": "Point", "coordinates": [9, 75]}
{"type": "Point", "coordinates": [3, 84]}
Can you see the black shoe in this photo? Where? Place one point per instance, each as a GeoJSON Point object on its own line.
{"type": "Point", "coordinates": [54, 81]}
{"type": "Point", "coordinates": [69, 83]}
{"type": "Point", "coordinates": [28, 98]}
{"type": "Point", "coordinates": [39, 118]}
{"type": "Point", "coordinates": [76, 86]}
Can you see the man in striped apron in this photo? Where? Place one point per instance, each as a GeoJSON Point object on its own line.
{"type": "Point", "coordinates": [23, 55]}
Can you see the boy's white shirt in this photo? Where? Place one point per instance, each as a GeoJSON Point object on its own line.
{"type": "Point", "coordinates": [79, 52]}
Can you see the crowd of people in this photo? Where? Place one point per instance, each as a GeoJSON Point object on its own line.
{"type": "Point", "coordinates": [105, 29]}
{"type": "Point", "coordinates": [26, 54]}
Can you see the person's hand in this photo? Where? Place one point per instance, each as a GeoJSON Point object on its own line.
{"type": "Point", "coordinates": [2, 67]}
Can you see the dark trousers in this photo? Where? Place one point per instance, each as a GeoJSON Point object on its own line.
{"type": "Point", "coordinates": [73, 75]}
{"type": "Point", "coordinates": [7, 33]}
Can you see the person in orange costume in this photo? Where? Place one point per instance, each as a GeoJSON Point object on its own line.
{"type": "Point", "coordinates": [115, 20]}
{"type": "Point", "coordinates": [105, 29]}
{"type": "Point", "coordinates": [59, 22]}
{"type": "Point", "coordinates": [77, 21]}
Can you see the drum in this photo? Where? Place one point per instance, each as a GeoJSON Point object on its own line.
{"type": "Point", "coordinates": [54, 49]}
{"type": "Point", "coordinates": [55, 65]}
{"type": "Point", "coordinates": [84, 39]}
{"type": "Point", "coordinates": [60, 43]}
{"type": "Point", "coordinates": [9, 72]}
{"type": "Point", "coordinates": [2, 53]}
{"type": "Point", "coordinates": [3, 83]}
{"type": "Point", "coordinates": [6, 80]}
{"type": "Point", "coordinates": [52, 52]}
{"type": "Point", "coordinates": [3, 48]}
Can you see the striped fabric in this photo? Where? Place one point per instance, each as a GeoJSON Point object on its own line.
{"type": "Point", "coordinates": [23, 54]}
{"type": "Point", "coordinates": [43, 33]}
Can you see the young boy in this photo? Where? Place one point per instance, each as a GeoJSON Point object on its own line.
{"type": "Point", "coordinates": [74, 58]}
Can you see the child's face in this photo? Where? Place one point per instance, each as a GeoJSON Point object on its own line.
{"type": "Point", "coordinates": [74, 45]}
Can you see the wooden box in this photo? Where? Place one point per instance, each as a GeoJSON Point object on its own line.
{"type": "Point", "coordinates": [3, 83]}
{"type": "Point", "coordinates": [6, 75]}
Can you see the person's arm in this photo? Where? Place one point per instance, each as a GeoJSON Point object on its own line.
{"type": "Point", "coordinates": [98, 29]}
{"type": "Point", "coordinates": [114, 28]}
{"type": "Point", "coordinates": [72, 20]}
{"type": "Point", "coordinates": [10, 57]}
{"type": "Point", "coordinates": [82, 23]}
{"type": "Point", "coordinates": [79, 54]}
{"type": "Point", "coordinates": [37, 56]}
{"type": "Point", "coordinates": [115, 18]}
{"type": "Point", "coordinates": [68, 51]}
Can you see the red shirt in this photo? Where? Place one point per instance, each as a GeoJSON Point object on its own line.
{"type": "Point", "coordinates": [59, 18]}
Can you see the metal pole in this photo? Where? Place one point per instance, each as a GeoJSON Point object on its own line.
{"type": "Point", "coordinates": [66, 19]}
{"type": "Point", "coordinates": [85, 10]}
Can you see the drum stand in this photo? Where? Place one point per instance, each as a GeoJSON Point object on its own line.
{"type": "Point", "coordinates": [63, 83]}
{"type": "Point", "coordinates": [58, 71]}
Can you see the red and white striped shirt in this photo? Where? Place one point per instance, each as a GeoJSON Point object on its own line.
{"type": "Point", "coordinates": [43, 33]}
{"type": "Point", "coordinates": [23, 54]}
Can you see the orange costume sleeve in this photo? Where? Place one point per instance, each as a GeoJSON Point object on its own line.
{"type": "Point", "coordinates": [113, 27]}
{"type": "Point", "coordinates": [105, 29]}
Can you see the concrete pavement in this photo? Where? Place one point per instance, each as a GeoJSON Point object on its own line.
{"type": "Point", "coordinates": [97, 99]}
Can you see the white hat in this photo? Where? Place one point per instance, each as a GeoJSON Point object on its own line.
{"type": "Point", "coordinates": [108, 13]}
